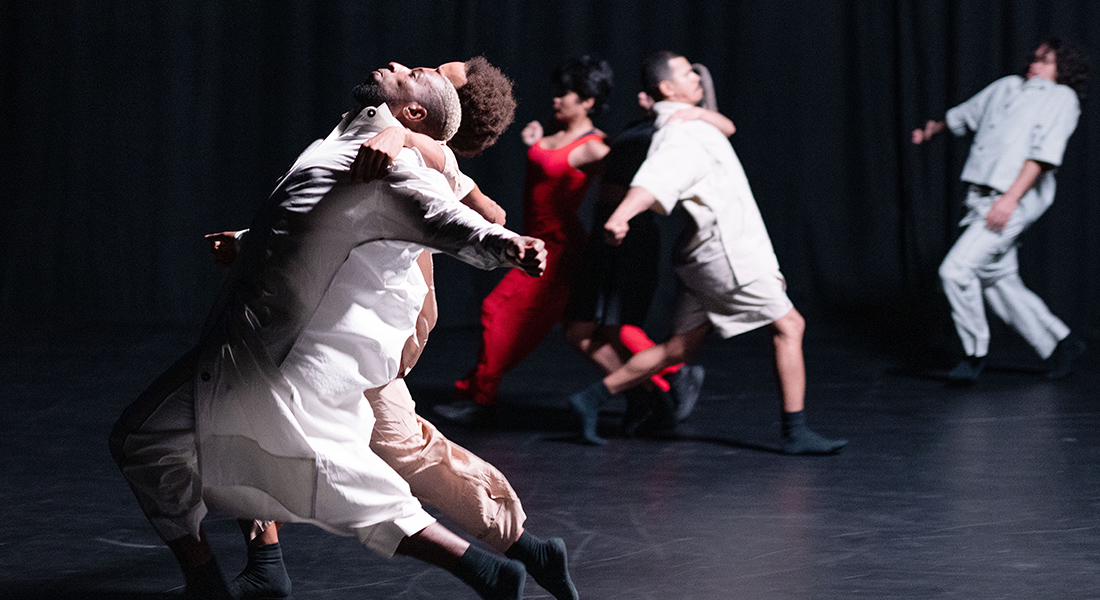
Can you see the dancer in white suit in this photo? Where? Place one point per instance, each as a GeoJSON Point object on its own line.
{"type": "Point", "coordinates": [1021, 126]}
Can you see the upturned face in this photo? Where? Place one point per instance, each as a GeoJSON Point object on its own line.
{"type": "Point", "coordinates": [400, 84]}
{"type": "Point", "coordinates": [1044, 64]}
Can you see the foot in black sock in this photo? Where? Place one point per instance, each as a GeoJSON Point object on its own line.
{"type": "Point", "coordinates": [586, 403]}
{"type": "Point", "coordinates": [1067, 351]}
{"type": "Point", "coordinates": [808, 443]}
{"type": "Point", "coordinates": [264, 577]}
{"type": "Point", "coordinates": [967, 371]}
{"type": "Point", "coordinates": [547, 563]}
{"type": "Point", "coordinates": [491, 576]}
{"type": "Point", "coordinates": [799, 439]}
{"type": "Point", "coordinates": [205, 582]}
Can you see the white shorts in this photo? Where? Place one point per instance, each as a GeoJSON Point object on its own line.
{"type": "Point", "coordinates": [710, 293]}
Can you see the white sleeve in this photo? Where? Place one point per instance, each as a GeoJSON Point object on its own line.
{"type": "Point", "coordinates": [425, 212]}
{"type": "Point", "coordinates": [461, 183]}
{"type": "Point", "coordinates": [450, 166]}
{"type": "Point", "coordinates": [464, 185]}
{"type": "Point", "coordinates": [675, 163]}
{"type": "Point", "coordinates": [968, 115]}
{"type": "Point", "coordinates": [1051, 133]}
{"type": "Point", "coordinates": [238, 239]}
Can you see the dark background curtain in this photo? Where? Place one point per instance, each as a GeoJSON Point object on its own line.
{"type": "Point", "coordinates": [130, 128]}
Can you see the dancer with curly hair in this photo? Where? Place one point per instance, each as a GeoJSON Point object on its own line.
{"type": "Point", "coordinates": [1021, 124]}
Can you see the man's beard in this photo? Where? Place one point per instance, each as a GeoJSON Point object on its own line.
{"type": "Point", "coordinates": [370, 93]}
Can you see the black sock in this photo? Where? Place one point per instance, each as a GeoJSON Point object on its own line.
{"type": "Point", "coordinates": [547, 563]}
{"type": "Point", "coordinates": [793, 421]}
{"type": "Point", "coordinates": [967, 371]}
{"type": "Point", "coordinates": [492, 577]}
{"type": "Point", "coordinates": [205, 582]}
{"type": "Point", "coordinates": [586, 403]}
{"type": "Point", "coordinates": [798, 438]}
{"type": "Point", "coordinates": [263, 577]}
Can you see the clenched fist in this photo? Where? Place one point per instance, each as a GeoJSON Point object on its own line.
{"type": "Point", "coordinates": [529, 254]}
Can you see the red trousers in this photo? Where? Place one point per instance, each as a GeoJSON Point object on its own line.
{"type": "Point", "coordinates": [515, 317]}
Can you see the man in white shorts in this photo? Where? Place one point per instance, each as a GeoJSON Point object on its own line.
{"type": "Point", "coordinates": [729, 276]}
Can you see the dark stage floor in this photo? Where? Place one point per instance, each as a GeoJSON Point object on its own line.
{"type": "Point", "coordinates": [987, 492]}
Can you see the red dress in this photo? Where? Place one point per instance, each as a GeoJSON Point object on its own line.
{"type": "Point", "coordinates": [521, 309]}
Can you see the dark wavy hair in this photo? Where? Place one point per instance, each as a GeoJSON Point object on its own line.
{"type": "Point", "coordinates": [587, 76]}
{"type": "Point", "coordinates": [488, 107]}
{"type": "Point", "coordinates": [1072, 61]}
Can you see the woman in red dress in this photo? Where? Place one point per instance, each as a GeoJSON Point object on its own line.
{"type": "Point", "coordinates": [521, 310]}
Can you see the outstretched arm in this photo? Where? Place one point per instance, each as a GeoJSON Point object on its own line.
{"type": "Point", "coordinates": [638, 199]}
{"type": "Point", "coordinates": [223, 245]}
{"type": "Point", "coordinates": [484, 206]}
{"type": "Point", "coordinates": [529, 254]}
{"type": "Point", "coordinates": [420, 208]}
{"type": "Point", "coordinates": [923, 134]}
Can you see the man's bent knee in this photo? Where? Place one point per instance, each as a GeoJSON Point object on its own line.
{"type": "Point", "coordinates": [952, 271]}
{"type": "Point", "coordinates": [791, 325]}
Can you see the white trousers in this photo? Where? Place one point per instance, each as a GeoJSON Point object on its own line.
{"type": "Point", "coordinates": [983, 263]}
{"type": "Point", "coordinates": [154, 445]}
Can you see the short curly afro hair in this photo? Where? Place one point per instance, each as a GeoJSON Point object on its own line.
{"type": "Point", "coordinates": [488, 107]}
{"type": "Point", "coordinates": [1072, 62]}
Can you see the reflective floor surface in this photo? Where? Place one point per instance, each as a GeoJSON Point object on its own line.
{"type": "Point", "coordinates": [991, 491]}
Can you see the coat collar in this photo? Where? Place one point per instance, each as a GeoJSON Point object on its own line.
{"type": "Point", "coordinates": [370, 119]}
{"type": "Point", "coordinates": [666, 109]}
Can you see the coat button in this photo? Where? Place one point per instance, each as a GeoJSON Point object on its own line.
{"type": "Point", "coordinates": [205, 376]}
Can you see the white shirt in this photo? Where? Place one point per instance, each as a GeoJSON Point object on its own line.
{"type": "Point", "coordinates": [1015, 120]}
{"type": "Point", "coordinates": [333, 256]}
{"type": "Point", "coordinates": [692, 162]}
{"type": "Point", "coordinates": [355, 339]}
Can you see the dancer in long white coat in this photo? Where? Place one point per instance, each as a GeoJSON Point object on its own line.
{"type": "Point", "coordinates": [249, 425]}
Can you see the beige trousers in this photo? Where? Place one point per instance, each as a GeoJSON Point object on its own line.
{"type": "Point", "coordinates": [441, 473]}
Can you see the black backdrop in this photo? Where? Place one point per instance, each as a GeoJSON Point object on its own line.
{"type": "Point", "coordinates": [130, 128]}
